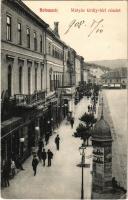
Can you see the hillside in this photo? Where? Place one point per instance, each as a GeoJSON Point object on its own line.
{"type": "Point", "coordinates": [112, 63]}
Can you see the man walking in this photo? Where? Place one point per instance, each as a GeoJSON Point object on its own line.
{"type": "Point", "coordinates": [50, 156]}
{"type": "Point", "coordinates": [72, 122]}
{"type": "Point", "coordinates": [6, 173]}
{"type": "Point", "coordinates": [46, 138]}
{"type": "Point", "coordinates": [43, 156]}
{"type": "Point", "coordinates": [57, 141]}
{"type": "Point", "coordinates": [34, 164]}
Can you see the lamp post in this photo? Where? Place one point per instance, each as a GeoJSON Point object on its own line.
{"type": "Point", "coordinates": [52, 125]}
{"type": "Point", "coordinates": [81, 149]}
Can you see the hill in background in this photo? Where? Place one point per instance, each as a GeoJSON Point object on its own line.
{"type": "Point", "coordinates": [111, 63]}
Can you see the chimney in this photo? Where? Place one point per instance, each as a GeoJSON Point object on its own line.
{"type": "Point", "coordinates": [56, 28]}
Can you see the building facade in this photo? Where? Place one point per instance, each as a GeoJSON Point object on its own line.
{"type": "Point", "coordinates": [115, 78]}
{"type": "Point", "coordinates": [36, 67]}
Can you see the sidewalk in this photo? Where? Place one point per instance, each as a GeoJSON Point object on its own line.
{"type": "Point", "coordinates": [63, 179]}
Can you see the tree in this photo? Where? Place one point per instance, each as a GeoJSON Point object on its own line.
{"type": "Point", "coordinates": [88, 119]}
{"type": "Point", "coordinates": [83, 132]}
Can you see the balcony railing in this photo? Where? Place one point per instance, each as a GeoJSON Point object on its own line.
{"type": "Point", "coordinates": [30, 99]}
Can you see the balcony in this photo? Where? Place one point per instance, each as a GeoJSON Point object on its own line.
{"type": "Point", "coordinates": [30, 100]}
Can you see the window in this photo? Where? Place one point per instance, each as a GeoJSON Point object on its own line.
{"type": "Point", "coordinates": [20, 80]}
{"type": "Point", "coordinates": [35, 78]}
{"type": "Point", "coordinates": [50, 79]}
{"type": "Point", "coordinates": [35, 42]}
{"type": "Point", "coordinates": [8, 28]}
{"type": "Point", "coordinates": [29, 80]}
{"type": "Point", "coordinates": [41, 78]}
{"type": "Point", "coordinates": [54, 80]}
{"type": "Point", "coordinates": [9, 80]}
{"type": "Point", "coordinates": [28, 37]}
{"type": "Point", "coordinates": [53, 51]}
{"type": "Point", "coordinates": [19, 33]}
{"type": "Point", "coordinates": [41, 43]}
{"type": "Point", "coordinates": [49, 48]}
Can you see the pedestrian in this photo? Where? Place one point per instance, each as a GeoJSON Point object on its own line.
{"type": "Point", "coordinates": [57, 141]}
{"type": "Point", "coordinates": [72, 122]}
{"type": "Point", "coordinates": [91, 108]}
{"type": "Point", "coordinates": [46, 138]}
{"type": "Point", "coordinates": [6, 173]}
{"type": "Point", "coordinates": [34, 164]}
{"type": "Point", "coordinates": [88, 108]}
{"type": "Point", "coordinates": [40, 144]}
{"type": "Point", "coordinates": [19, 164]}
{"type": "Point", "coordinates": [50, 156]}
{"type": "Point", "coordinates": [43, 156]}
{"type": "Point", "coordinates": [13, 167]}
{"type": "Point", "coordinates": [39, 154]}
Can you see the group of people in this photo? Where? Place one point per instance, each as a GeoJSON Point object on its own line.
{"type": "Point", "coordinates": [92, 108]}
{"type": "Point", "coordinates": [42, 155]}
{"type": "Point", "coordinates": [9, 170]}
{"type": "Point", "coordinates": [45, 154]}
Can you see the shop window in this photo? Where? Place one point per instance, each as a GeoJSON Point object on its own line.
{"type": "Point", "coordinates": [9, 80]}
{"type": "Point", "coordinates": [28, 37]}
{"type": "Point", "coordinates": [8, 36]}
{"type": "Point", "coordinates": [19, 33]}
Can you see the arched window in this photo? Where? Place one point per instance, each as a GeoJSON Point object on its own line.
{"type": "Point", "coordinates": [20, 79]}
{"type": "Point", "coordinates": [9, 80]}
{"type": "Point", "coordinates": [29, 80]}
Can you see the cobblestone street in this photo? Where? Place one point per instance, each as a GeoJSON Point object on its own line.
{"type": "Point", "coordinates": [63, 179]}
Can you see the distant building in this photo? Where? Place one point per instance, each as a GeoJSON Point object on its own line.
{"type": "Point", "coordinates": [115, 77]}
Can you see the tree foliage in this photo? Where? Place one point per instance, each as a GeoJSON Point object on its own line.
{"type": "Point", "coordinates": [88, 119]}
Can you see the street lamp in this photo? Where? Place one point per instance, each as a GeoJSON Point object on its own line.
{"type": "Point", "coordinates": [81, 149]}
{"type": "Point", "coordinates": [52, 124]}
{"type": "Point", "coordinates": [37, 133]}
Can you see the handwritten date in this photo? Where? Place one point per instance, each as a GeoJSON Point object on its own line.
{"type": "Point", "coordinates": [96, 26]}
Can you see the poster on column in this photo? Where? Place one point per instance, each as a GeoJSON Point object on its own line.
{"type": "Point", "coordinates": [58, 59]}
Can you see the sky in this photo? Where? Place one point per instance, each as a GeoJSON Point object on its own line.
{"type": "Point", "coordinates": [94, 35]}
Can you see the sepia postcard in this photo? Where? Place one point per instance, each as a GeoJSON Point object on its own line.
{"type": "Point", "coordinates": [64, 84]}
